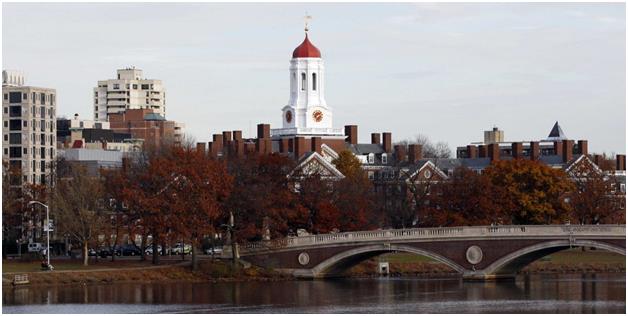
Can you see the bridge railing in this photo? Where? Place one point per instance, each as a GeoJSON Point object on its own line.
{"type": "Point", "coordinates": [439, 232]}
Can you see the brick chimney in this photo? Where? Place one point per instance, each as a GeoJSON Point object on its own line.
{"type": "Point", "coordinates": [284, 145]}
{"type": "Point", "coordinates": [375, 138]}
{"type": "Point", "coordinates": [567, 150]}
{"type": "Point", "coordinates": [493, 151]}
{"type": "Point", "coordinates": [400, 153]}
{"type": "Point", "coordinates": [482, 151]}
{"type": "Point", "coordinates": [316, 142]}
{"type": "Point", "coordinates": [558, 148]}
{"type": "Point", "coordinates": [517, 150]}
{"type": "Point", "coordinates": [238, 145]}
{"type": "Point", "coordinates": [351, 131]}
{"type": "Point", "coordinates": [217, 143]}
{"type": "Point", "coordinates": [226, 138]}
{"type": "Point", "coordinates": [583, 147]}
{"type": "Point", "coordinates": [200, 147]}
{"type": "Point", "coordinates": [387, 142]}
{"type": "Point", "coordinates": [299, 147]}
{"type": "Point", "coordinates": [535, 151]}
{"type": "Point", "coordinates": [472, 151]}
{"type": "Point", "coordinates": [237, 135]}
{"type": "Point", "coordinates": [263, 130]}
{"type": "Point", "coordinates": [621, 162]}
{"type": "Point", "coordinates": [597, 159]}
{"type": "Point", "coordinates": [415, 153]}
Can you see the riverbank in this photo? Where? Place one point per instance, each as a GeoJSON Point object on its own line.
{"type": "Point", "coordinates": [401, 264]}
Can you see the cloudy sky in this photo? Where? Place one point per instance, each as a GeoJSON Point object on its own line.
{"type": "Point", "coordinates": [448, 71]}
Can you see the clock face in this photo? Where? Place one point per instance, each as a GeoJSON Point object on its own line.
{"type": "Point", "coordinates": [317, 115]}
{"type": "Point", "coordinates": [289, 116]}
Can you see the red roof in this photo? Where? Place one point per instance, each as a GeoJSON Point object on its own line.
{"type": "Point", "coordinates": [306, 50]}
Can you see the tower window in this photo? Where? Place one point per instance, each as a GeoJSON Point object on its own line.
{"type": "Point", "coordinates": [303, 81]}
{"type": "Point", "coordinates": [314, 81]}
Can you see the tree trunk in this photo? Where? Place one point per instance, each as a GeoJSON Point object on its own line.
{"type": "Point", "coordinates": [143, 245]}
{"type": "Point", "coordinates": [155, 250]}
{"type": "Point", "coordinates": [194, 256]}
{"type": "Point", "coordinates": [85, 254]}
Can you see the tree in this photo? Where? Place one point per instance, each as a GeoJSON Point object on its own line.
{"type": "Point", "coordinates": [349, 165]}
{"type": "Point", "coordinates": [79, 205]}
{"type": "Point", "coordinates": [594, 199]}
{"type": "Point", "coordinates": [429, 149]}
{"type": "Point", "coordinates": [466, 198]}
{"type": "Point", "coordinates": [534, 193]}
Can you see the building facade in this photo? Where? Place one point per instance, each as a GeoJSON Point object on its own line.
{"type": "Point", "coordinates": [130, 90]}
{"type": "Point", "coordinates": [145, 124]}
{"type": "Point", "coordinates": [29, 128]}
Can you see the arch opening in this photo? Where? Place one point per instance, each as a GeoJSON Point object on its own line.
{"type": "Point", "coordinates": [340, 263]}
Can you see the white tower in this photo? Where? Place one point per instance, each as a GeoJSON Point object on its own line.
{"type": "Point", "coordinates": [307, 111]}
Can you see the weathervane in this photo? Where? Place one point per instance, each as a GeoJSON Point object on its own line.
{"type": "Point", "coordinates": [307, 18]}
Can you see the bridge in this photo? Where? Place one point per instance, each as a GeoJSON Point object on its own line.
{"type": "Point", "coordinates": [476, 252]}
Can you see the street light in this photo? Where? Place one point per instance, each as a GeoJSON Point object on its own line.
{"type": "Point", "coordinates": [47, 228]}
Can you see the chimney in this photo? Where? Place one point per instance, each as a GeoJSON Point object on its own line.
{"type": "Point", "coordinates": [200, 147]}
{"type": "Point", "coordinates": [583, 147]}
{"type": "Point", "coordinates": [263, 130]}
{"type": "Point", "coordinates": [558, 148]}
{"type": "Point", "coordinates": [284, 145]}
{"type": "Point", "coordinates": [517, 150]}
{"type": "Point", "coordinates": [351, 131]}
{"type": "Point", "coordinates": [597, 159]}
{"type": "Point", "coordinates": [375, 138]}
{"type": "Point", "coordinates": [482, 151]}
{"type": "Point", "coordinates": [387, 142]}
{"type": "Point", "coordinates": [400, 153]}
{"type": "Point", "coordinates": [535, 151]}
{"type": "Point", "coordinates": [237, 135]}
{"type": "Point", "coordinates": [316, 144]}
{"type": "Point", "coordinates": [621, 162]}
{"type": "Point", "coordinates": [238, 144]}
{"type": "Point", "coordinates": [414, 153]}
{"type": "Point", "coordinates": [472, 151]}
{"type": "Point", "coordinates": [268, 145]}
{"type": "Point", "coordinates": [493, 151]}
{"type": "Point", "coordinates": [217, 143]}
{"type": "Point", "coordinates": [260, 144]}
{"type": "Point", "coordinates": [226, 138]}
{"type": "Point", "coordinates": [299, 147]}
{"type": "Point", "coordinates": [567, 150]}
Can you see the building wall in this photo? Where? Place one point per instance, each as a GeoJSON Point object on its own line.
{"type": "Point", "coordinates": [154, 133]}
{"type": "Point", "coordinates": [29, 130]}
{"type": "Point", "coordinates": [128, 91]}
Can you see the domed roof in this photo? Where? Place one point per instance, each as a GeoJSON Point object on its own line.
{"type": "Point", "coordinates": [306, 50]}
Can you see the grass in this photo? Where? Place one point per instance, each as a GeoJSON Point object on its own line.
{"type": "Point", "coordinates": [16, 266]}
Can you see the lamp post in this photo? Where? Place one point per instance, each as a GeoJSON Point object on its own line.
{"type": "Point", "coordinates": [234, 246]}
{"type": "Point", "coordinates": [47, 228]}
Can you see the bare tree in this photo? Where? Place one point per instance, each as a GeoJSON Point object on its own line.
{"type": "Point", "coordinates": [430, 150]}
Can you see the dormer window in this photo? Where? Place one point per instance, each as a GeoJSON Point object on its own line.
{"type": "Point", "coordinates": [384, 159]}
{"type": "Point", "coordinates": [371, 158]}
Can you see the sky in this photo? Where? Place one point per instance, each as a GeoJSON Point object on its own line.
{"type": "Point", "coordinates": [446, 71]}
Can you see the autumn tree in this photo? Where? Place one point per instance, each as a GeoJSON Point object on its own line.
{"type": "Point", "coordinates": [79, 203]}
{"type": "Point", "coordinates": [429, 148]}
{"type": "Point", "coordinates": [594, 200]}
{"type": "Point", "coordinates": [535, 193]}
{"type": "Point", "coordinates": [466, 198]}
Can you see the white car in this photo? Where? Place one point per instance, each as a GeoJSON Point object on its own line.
{"type": "Point", "coordinates": [217, 251]}
{"type": "Point", "coordinates": [178, 249]}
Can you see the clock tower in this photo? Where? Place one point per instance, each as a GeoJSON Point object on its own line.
{"type": "Point", "coordinates": [307, 112]}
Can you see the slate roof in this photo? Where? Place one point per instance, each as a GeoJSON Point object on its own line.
{"type": "Point", "coordinates": [556, 133]}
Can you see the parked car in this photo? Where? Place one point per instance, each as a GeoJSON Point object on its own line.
{"type": "Point", "coordinates": [105, 252]}
{"type": "Point", "coordinates": [149, 250]}
{"type": "Point", "coordinates": [36, 247]}
{"type": "Point", "coordinates": [129, 250]}
{"type": "Point", "coordinates": [91, 252]}
{"type": "Point", "coordinates": [179, 248]}
{"type": "Point", "coordinates": [217, 251]}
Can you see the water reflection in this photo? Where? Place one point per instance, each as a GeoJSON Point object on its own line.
{"type": "Point", "coordinates": [576, 293]}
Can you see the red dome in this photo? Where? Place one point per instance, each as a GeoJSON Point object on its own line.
{"type": "Point", "coordinates": [306, 50]}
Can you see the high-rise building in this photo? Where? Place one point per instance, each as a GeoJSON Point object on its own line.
{"type": "Point", "coordinates": [493, 136]}
{"type": "Point", "coordinates": [128, 91]}
{"type": "Point", "coordinates": [29, 128]}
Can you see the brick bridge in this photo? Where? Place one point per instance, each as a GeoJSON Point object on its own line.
{"type": "Point", "coordinates": [476, 252]}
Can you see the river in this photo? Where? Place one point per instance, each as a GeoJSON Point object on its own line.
{"type": "Point", "coordinates": [537, 293]}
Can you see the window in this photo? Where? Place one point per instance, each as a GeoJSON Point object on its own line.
{"type": "Point", "coordinates": [303, 83]}
{"type": "Point", "coordinates": [42, 139]}
{"type": "Point", "coordinates": [6, 123]}
{"type": "Point", "coordinates": [384, 158]}
{"type": "Point", "coordinates": [6, 137]}
{"type": "Point", "coordinates": [52, 99]}
{"type": "Point", "coordinates": [25, 151]}
{"type": "Point", "coordinates": [371, 175]}
{"type": "Point", "coordinates": [42, 98]}
{"type": "Point", "coordinates": [314, 81]}
{"type": "Point", "coordinates": [116, 86]}
{"type": "Point", "coordinates": [15, 111]}
{"type": "Point", "coordinates": [15, 97]}
{"type": "Point", "coordinates": [42, 125]}
{"type": "Point", "coordinates": [42, 153]}
{"type": "Point", "coordinates": [15, 152]}
{"type": "Point", "coordinates": [25, 123]}
{"type": "Point", "coordinates": [34, 166]}
{"type": "Point", "coordinates": [95, 101]}
{"type": "Point", "coordinates": [134, 87]}
{"type": "Point", "coordinates": [25, 96]}
{"type": "Point", "coordinates": [6, 151]}
{"type": "Point", "coordinates": [128, 86]}
{"type": "Point", "coordinates": [43, 167]}
{"type": "Point", "coordinates": [371, 158]}
{"type": "Point", "coordinates": [15, 125]}
{"type": "Point", "coordinates": [144, 87]}
{"type": "Point", "coordinates": [6, 110]}
{"type": "Point", "coordinates": [15, 139]}
{"type": "Point", "coordinates": [6, 96]}
{"type": "Point", "coordinates": [42, 112]}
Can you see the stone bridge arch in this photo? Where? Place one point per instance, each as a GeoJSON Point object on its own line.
{"type": "Point", "coordinates": [340, 262]}
{"type": "Point", "coordinates": [510, 264]}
